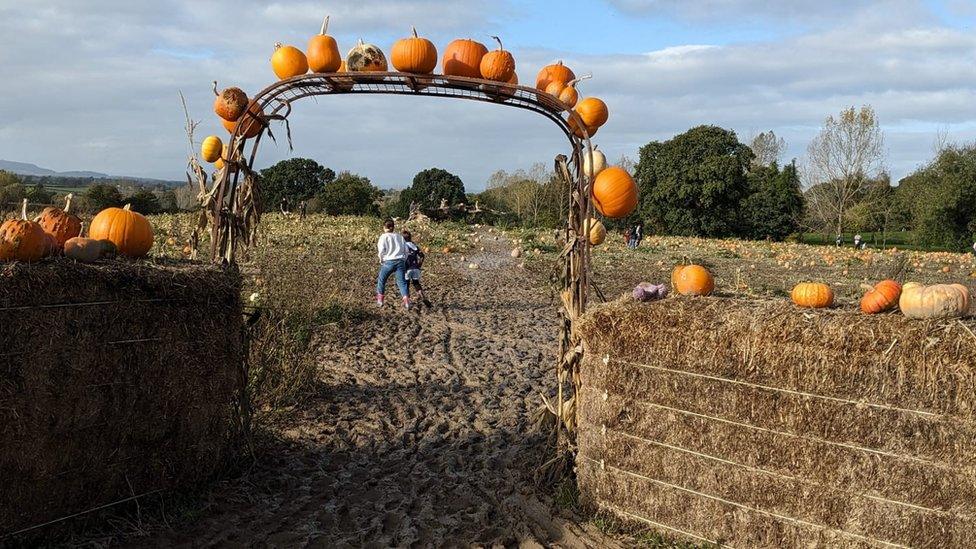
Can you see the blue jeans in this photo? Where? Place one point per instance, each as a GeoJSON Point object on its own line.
{"type": "Point", "coordinates": [389, 267]}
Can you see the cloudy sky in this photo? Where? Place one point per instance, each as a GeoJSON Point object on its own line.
{"type": "Point", "coordinates": [92, 84]}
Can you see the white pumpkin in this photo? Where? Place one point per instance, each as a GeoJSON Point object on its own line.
{"type": "Point", "coordinates": [365, 57]}
{"type": "Point", "coordinates": [936, 301]}
{"type": "Point", "coordinates": [594, 163]}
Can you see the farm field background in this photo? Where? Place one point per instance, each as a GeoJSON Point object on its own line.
{"type": "Point", "coordinates": [407, 428]}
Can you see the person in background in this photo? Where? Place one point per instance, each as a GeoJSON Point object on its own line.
{"type": "Point", "coordinates": [857, 242]}
{"type": "Point", "coordinates": [283, 206]}
{"type": "Point", "coordinates": [392, 251]}
{"type": "Point", "coordinates": [839, 241]}
{"type": "Point", "coordinates": [627, 236]}
{"type": "Point", "coordinates": [302, 209]}
{"type": "Point", "coordinates": [415, 261]}
{"type": "Point", "coordinates": [974, 248]}
{"type": "Point", "coordinates": [639, 233]}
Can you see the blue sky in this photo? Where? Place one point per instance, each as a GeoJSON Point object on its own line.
{"type": "Point", "coordinates": [96, 81]}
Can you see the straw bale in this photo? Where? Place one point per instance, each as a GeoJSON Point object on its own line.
{"type": "Point", "coordinates": [115, 380]}
{"type": "Point", "coordinates": [761, 425]}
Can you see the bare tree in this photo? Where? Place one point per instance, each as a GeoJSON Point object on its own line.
{"type": "Point", "coordinates": [768, 148]}
{"type": "Point", "coordinates": [627, 164]}
{"type": "Point", "coordinates": [842, 159]}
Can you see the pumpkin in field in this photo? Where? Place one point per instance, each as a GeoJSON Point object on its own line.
{"type": "Point", "coordinates": [210, 148]}
{"type": "Point", "coordinates": [813, 295]}
{"type": "Point", "coordinates": [230, 103]}
{"type": "Point", "coordinates": [288, 61]}
{"type": "Point", "coordinates": [498, 65]}
{"type": "Point", "coordinates": [593, 112]}
{"type": "Point", "coordinates": [88, 250]}
{"type": "Point", "coordinates": [365, 57]}
{"type": "Point", "coordinates": [251, 122]}
{"type": "Point", "coordinates": [882, 297]}
{"type": "Point", "coordinates": [555, 72]}
{"type": "Point", "coordinates": [414, 55]}
{"type": "Point", "coordinates": [594, 162]}
{"type": "Point", "coordinates": [128, 230]}
{"type": "Point", "coordinates": [23, 239]}
{"type": "Point", "coordinates": [595, 230]}
{"type": "Point", "coordinates": [936, 301]}
{"type": "Point", "coordinates": [322, 53]}
{"type": "Point", "coordinates": [462, 57]}
{"type": "Point", "coordinates": [60, 224]}
{"type": "Point", "coordinates": [692, 279]}
{"type": "Point", "coordinates": [614, 192]}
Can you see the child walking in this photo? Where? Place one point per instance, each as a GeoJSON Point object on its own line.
{"type": "Point", "coordinates": [415, 261]}
{"type": "Point", "coordinates": [392, 251]}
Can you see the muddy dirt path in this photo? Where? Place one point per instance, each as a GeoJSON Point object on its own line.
{"type": "Point", "coordinates": [421, 434]}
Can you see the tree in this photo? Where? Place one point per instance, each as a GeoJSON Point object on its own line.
{"type": "Point", "coordinates": [843, 157]}
{"type": "Point", "coordinates": [694, 183]}
{"type": "Point", "coordinates": [37, 194]}
{"type": "Point", "coordinates": [775, 203]}
{"type": "Point", "coordinates": [295, 179]}
{"type": "Point", "coordinates": [941, 199]}
{"type": "Point", "coordinates": [767, 147]}
{"type": "Point", "coordinates": [429, 187]}
{"type": "Point", "coordinates": [9, 178]}
{"type": "Point", "coordinates": [101, 196]}
{"type": "Point", "coordinates": [349, 194]}
{"type": "Point", "coordinates": [144, 202]}
{"type": "Point", "coordinates": [11, 196]}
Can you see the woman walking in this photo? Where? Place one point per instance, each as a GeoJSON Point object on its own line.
{"type": "Point", "coordinates": [392, 251]}
{"type": "Point", "coordinates": [415, 261]}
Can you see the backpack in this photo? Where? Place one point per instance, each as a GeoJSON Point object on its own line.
{"type": "Point", "coordinates": [415, 257]}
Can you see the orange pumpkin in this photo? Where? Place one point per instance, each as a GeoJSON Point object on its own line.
{"type": "Point", "coordinates": [692, 280]}
{"type": "Point", "coordinates": [581, 132]}
{"type": "Point", "coordinates": [210, 148]}
{"type": "Point", "coordinates": [882, 297]}
{"type": "Point", "coordinates": [60, 224]}
{"type": "Point", "coordinates": [498, 65]}
{"type": "Point", "coordinates": [414, 55]}
{"type": "Point", "coordinates": [593, 111]}
{"type": "Point", "coordinates": [813, 295]}
{"type": "Point", "coordinates": [614, 192]}
{"type": "Point", "coordinates": [555, 72]}
{"type": "Point", "coordinates": [565, 92]}
{"type": "Point", "coordinates": [128, 230]}
{"type": "Point", "coordinates": [251, 123]}
{"type": "Point", "coordinates": [288, 61]}
{"type": "Point", "coordinates": [23, 240]}
{"type": "Point", "coordinates": [230, 103]}
{"type": "Point", "coordinates": [322, 52]}
{"type": "Point", "coordinates": [463, 58]}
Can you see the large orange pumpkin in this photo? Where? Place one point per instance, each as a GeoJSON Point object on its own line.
{"type": "Point", "coordinates": [692, 280]}
{"type": "Point", "coordinates": [614, 192]}
{"type": "Point", "coordinates": [60, 224]}
{"type": "Point", "coordinates": [128, 230]}
{"type": "Point", "coordinates": [555, 72]}
{"type": "Point", "coordinates": [414, 55]}
{"type": "Point", "coordinates": [288, 61]}
{"type": "Point", "coordinates": [813, 295]}
{"type": "Point", "coordinates": [322, 52]}
{"type": "Point", "coordinates": [251, 122]}
{"type": "Point", "coordinates": [462, 57]}
{"type": "Point", "coordinates": [230, 103]}
{"type": "Point", "coordinates": [882, 297]}
{"type": "Point", "coordinates": [593, 111]}
{"type": "Point", "coordinates": [498, 65]}
{"type": "Point", "coordinates": [22, 239]}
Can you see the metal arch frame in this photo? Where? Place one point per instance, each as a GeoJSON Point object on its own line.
{"type": "Point", "coordinates": [275, 103]}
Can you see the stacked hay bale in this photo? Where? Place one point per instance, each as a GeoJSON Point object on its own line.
{"type": "Point", "coordinates": [754, 424]}
{"type": "Point", "coordinates": [115, 380]}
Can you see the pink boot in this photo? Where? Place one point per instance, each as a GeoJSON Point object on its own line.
{"type": "Point", "coordinates": [379, 300]}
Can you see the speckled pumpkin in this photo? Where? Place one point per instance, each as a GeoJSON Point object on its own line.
{"type": "Point", "coordinates": [365, 57]}
{"type": "Point", "coordinates": [22, 239]}
{"type": "Point", "coordinates": [62, 225]}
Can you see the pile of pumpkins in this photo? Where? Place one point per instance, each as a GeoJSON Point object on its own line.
{"type": "Point", "coordinates": [915, 300]}
{"type": "Point", "coordinates": [56, 231]}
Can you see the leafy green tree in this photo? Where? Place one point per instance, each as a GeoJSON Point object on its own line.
{"type": "Point", "coordinates": [37, 194]}
{"type": "Point", "coordinates": [295, 179]}
{"type": "Point", "coordinates": [101, 196]}
{"type": "Point", "coordinates": [11, 196]}
{"type": "Point", "coordinates": [349, 194]}
{"type": "Point", "coordinates": [429, 187]}
{"type": "Point", "coordinates": [144, 202]}
{"type": "Point", "coordinates": [9, 178]}
{"type": "Point", "coordinates": [941, 198]}
{"type": "Point", "coordinates": [775, 204]}
{"type": "Point", "coordinates": [694, 183]}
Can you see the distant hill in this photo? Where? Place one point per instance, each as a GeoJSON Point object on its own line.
{"type": "Point", "coordinates": [75, 178]}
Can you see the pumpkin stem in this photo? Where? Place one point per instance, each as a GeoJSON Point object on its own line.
{"type": "Point", "coordinates": [414, 31]}
{"type": "Point", "coordinates": [215, 89]}
{"type": "Point", "coordinates": [127, 207]}
{"type": "Point", "coordinates": [499, 40]}
{"type": "Point", "coordinates": [325, 25]}
{"type": "Point", "coordinates": [67, 202]}
{"type": "Point", "coordinates": [572, 83]}
{"type": "Point", "coordinates": [867, 287]}
{"type": "Point", "coordinates": [23, 210]}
